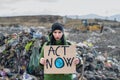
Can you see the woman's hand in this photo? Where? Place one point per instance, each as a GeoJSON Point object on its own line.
{"type": "Point", "coordinates": [76, 61]}
{"type": "Point", "coordinates": [42, 61]}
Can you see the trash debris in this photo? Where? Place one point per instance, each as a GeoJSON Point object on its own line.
{"type": "Point", "coordinates": [99, 54]}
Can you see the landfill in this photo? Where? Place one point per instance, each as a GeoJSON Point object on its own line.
{"type": "Point", "coordinates": [99, 53]}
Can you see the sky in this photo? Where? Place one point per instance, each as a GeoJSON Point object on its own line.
{"type": "Point", "coordinates": [59, 7]}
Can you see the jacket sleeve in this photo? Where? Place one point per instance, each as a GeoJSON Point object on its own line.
{"type": "Point", "coordinates": [42, 50]}
{"type": "Point", "coordinates": [41, 56]}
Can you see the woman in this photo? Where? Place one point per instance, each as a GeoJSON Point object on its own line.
{"type": "Point", "coordinates": [56, 37]}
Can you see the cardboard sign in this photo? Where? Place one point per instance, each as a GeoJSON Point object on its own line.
{"type": "Point", "coordinates": [59, 59]}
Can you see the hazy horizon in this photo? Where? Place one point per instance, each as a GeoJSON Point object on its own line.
{"type": "Point", "coordinates": [59, 7]}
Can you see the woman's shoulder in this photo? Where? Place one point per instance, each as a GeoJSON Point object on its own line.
{"type": "Point", "coordinates": [46, 43]}
{"type": "Point", "coordinates": [69, 43]}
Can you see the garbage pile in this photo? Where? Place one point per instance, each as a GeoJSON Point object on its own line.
{"type": "Point", "coordinates": [108, 40]}
{"type": "Point", "coordinates": [105, 60]}
{"type": "Point", "coordinates": [17, 51]}
{"type": "Point", "coordinates": [96, 65]}
{"type": "Point", "coordinates": [100, 57]}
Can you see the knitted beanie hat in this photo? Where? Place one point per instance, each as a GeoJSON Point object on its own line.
{"type": "Point", "coordinates": [57, 26]}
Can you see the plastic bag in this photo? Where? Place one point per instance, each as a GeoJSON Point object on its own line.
{"type": "Point", "coordinates": [34, 60]}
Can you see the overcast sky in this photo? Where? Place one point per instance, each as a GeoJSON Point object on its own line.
{"type": "Point", "coordinates": [59, 7]}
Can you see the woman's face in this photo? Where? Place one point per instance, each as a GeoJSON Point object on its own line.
{"type": "Point", "coordinates": [57, 34]}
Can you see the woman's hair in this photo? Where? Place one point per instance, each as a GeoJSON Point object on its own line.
{"type": "Point", "coordinates": [52, 40]}
{"type": "Point", "coordinates": [57, 26]}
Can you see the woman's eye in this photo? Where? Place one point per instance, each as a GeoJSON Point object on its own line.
{"type": "Point", "coordinates": [55, 32]}
{"type": "Point", "coordinates": [59, 32]}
